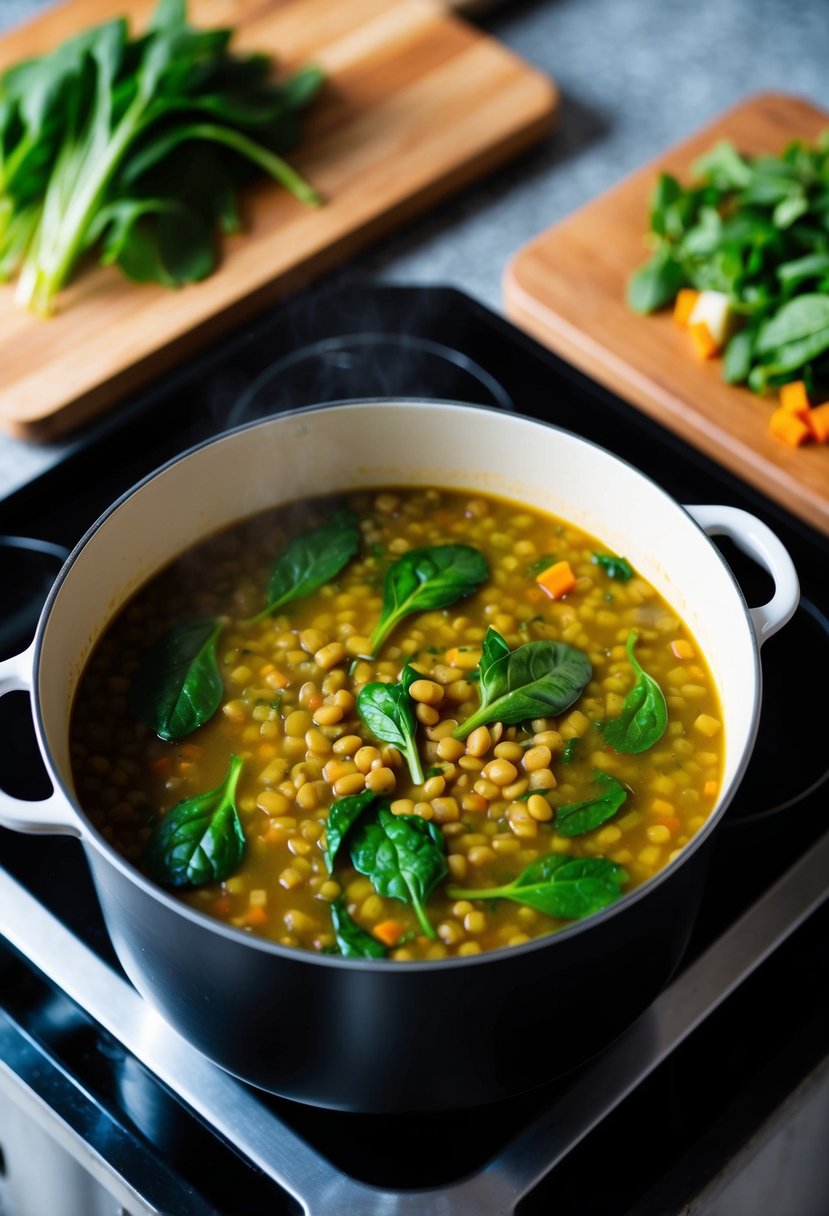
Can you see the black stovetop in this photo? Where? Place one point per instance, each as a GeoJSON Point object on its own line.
{"type": "Point", "coordinates": [415, 343]}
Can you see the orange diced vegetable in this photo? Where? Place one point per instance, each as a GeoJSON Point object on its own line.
{"type": "Point", "coordinates": [684, 305]}
{"type": "Point", "coordinates": [788, 428]}
{"type": "Point", "coordinates": [556, 580]}
{"type": "Point", "coordinates": [710, 789]}
{"type": "Point", "coordinates": [682, 648]}
{"type": "Point", "coordinates": [256, 916]}
{"type": "Point", "coordinates": [704, 341]}
{"type": "Point", "coordinates": [162, 767]}
{"type": "Point", "coordinates": [817, 420]}
{"type": "Point", "coordinates": [389, 932]}
{"type": "Point", "coordinates": [794, 399]}
{"type": "Point", "coordinates": [466, 659]}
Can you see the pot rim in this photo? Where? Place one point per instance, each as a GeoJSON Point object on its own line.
{"type": "Point", "coordinates": [91, 836]}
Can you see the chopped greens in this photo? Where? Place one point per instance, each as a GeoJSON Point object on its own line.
{"type": "Point", "coordinates": [753, 229]}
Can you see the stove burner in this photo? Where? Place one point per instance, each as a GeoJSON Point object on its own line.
{"type": "Point", "coordinates": [790, 753]}
{"type": "Point", "coordinates": [364, 365]}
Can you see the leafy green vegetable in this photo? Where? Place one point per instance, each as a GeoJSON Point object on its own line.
{"type": "Point", "coordinates": [179, 685]}
{"type": "Point", "coordinates": [570, 749]}
{"type": "Point", "coordinates": [537, 680]}
{"type": "Point", "coordinates": [352, 939]}
{"type": "Point", "coordinates": [425, 579]}
{"type": "Point", "coordinates": [644, 715]}
{"type": "Point", "coordinates": [199, 840]}
{"type": "Point", "coordinates": [564, 887]}
{"type": "Point", "coordinates": [342, 816]}
{"type": "Point", "coordinates": [91, 142]}
{"type": "Point", "coordinates": [387, 711]}
{"type": "Point", "coordinates": [754, 229]}
{"type": "Point", "coordinates": [404, 857]}
{"type": "Point", "coordinates": [614, 567]}
{"type": "Point", "coordinates": [312, 559]}
{"type": "Point", "coordinates": [576, 818]}
{"type": "Point", "coordinates": [541, 564]}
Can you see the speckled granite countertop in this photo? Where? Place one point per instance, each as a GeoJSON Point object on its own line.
{"type": "Point", "coordinates": [635, 77]}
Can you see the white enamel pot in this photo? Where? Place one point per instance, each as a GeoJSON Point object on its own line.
{"type": "Point", "coordinates": [375, 1035]}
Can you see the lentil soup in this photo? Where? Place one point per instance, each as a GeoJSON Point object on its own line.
{"type": "Point", "coordinates": [463, 820]}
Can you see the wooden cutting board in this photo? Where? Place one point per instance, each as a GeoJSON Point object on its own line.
{"type": "Point", "coordinates": [417, 104]}
{"type": "Point", "coordinates": [567, 288]}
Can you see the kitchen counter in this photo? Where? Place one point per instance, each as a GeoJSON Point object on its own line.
{"type": "Point", "coordinates": [634, 77]}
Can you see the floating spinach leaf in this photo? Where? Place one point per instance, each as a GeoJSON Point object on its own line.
{"type": "Point", "coordinates": [564, 887]}
{"type": "Point", "coordinates": [312, 559]}
{"type": "Point", "coordinates": [388, 713]}
{"type": "Point", "coordinates": [199, 840]}
{"type": "Point", "coordinates": [570, 749]}
{"type": "Point", "coordinates": [576, 818]}
{"type": "Point", "coordinates": [425, 579]}
{"type": "Point", "coordinates": [537, 680]}
{"type": "Point", "coordinates": [614, 567]}
{"type": "Point", "coordinates": [644, 715]}
{"type": "Point", "coordinates": [352, 939]}
{"type": "Point", "coordinates": [179, 685]}
{"type": "Point", "coordinates": [404, 857]}
{"type": "Point", "coordinates": [342, 816]}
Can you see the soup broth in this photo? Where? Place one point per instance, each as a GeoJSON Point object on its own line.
{"type": "Point", "coordinates": [456, 840]}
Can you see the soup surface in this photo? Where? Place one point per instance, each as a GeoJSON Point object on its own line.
{"type": "Point", "coordinates": [233, 703]}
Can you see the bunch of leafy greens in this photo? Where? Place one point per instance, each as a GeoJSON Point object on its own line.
{"type": "Point", "coordinates": [756, 230]}
{"type": "Point", "coordinates": [136, 147]}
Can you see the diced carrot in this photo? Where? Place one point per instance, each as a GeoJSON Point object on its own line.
{"type": "Point", "coordinates": [466, 659]}
{"type": "Point", "coordinates": [389, 932]}
{"type": "Point", "coordinates": [682, 648]}
{"type": "Point", "coordinates": [704, 341]}
{"type": "Point", "coordinates": [710, 788]}
{"type": "Point", "coordinates": [794, 399]}
{"type": "Point", "coordinates": [684, 305]}
{"type": "Point", "coordinates": [556, 580]}
{"type": "Point", "coordinates": [255, 916]}
{"type": "Point", "coordinates": [817, 420]}
{"type": "Point", "coordinates": [221, 906]}
{"type": "Point", "coordinates": [191, 751]}
{"type": "Point", "coordinates": [162, 767]}
{"type": "Point", "coordinates": [788, 428]}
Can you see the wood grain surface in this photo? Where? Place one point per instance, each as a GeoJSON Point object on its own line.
{"type": "Point", "coordinates": [417, 104]}
{"type": "Point", "coordinates": [567, 288]}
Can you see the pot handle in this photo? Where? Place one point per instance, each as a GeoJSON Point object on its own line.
{"type": "Point", "coordinates": [758, 541]}
{"type": "Point", "coordinates": [51, 816]}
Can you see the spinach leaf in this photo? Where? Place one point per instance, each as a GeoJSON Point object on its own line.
{"type": "Point", "coordinates": [576, 818]}
{"type": "Point", "coordinates": [801, 318]}
{"type": "Point", "coordinates": [404, 857]}
{"type": "Point", "coordinates": [644, 715]}
{"type": "Point", "coordinates": [570, 749]}
{"type": "Point", "coordinates": [342, 816]}
{"type": "Point", "coordinates": [565, 887]}
{"type": "Point", "coordinates": [179, 685]}
{"type": "Point", "coordinates": [537, 680]}
{"type": "Point", "coordinates": [352, 939]}
{"type": "Point", "coordinates": [425, 579]}
{"type": "Point", "coordinates": [311, 560]}
{"type": "Point", "coordinates": [656, 283]}
{"type": "Point", "coordinates": [388, 713]}
{"type": "Point", "coordinates": [614, 567]}
{"type": "Point", "coordinates": [90, 140]}
{"type": "Point", "coordinates": [199, 840]}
